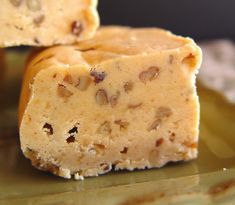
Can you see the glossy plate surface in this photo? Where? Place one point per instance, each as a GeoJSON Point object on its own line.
{"type": "Point", "coordinates": [210, 179]}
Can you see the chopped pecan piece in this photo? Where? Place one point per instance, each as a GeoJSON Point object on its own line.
{"type": "Point", "coordinates": [38, 20]}
{"type": "Point", "coordinates": [155, 125]}
{"type": "Point", "coordinates": [34, 5]}
{"type": "Point", "coordinates": [134, 106]}
{"type": "Point", "coordinates": [159, 142]}
{"type": "Point", "coordinates": [101, 97]}
{"type": "Point", "coordinates": [114, 99]}
{"type": "Point", "coordinates": [16, 3]}
{"type": "Point", "coordinates": [68, 79]}
{"type": "Point", "coordinates": [122, 124]}
{"type": "Point", "coordinates": [98, 76]}
{"type": "Point", "coordinates": [104, 128]}
{"type": "Point", "coordinates": [63, 91]}
{"type": "Point", "coordinates": [76, 28]}
{"type": "Point", "coordinates": [163, 112]}
{"type": "Point", "coordinates": [128, 86]}
{"type": "Point", "coordinates": [149, 75]}
{"type": "Point", "coordinates": [124, 151]}
{"type": "Point", "coordinates": [83, 82]}
{"type": "Point", "coordinates": [48, 128]}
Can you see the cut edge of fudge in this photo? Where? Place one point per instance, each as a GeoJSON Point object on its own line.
{"type": "Point", "coordinates": [33, 27]}
{"type": "Point", "coordinates": [107, 78]}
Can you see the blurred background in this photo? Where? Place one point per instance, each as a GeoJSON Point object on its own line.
{"type": "Point", "coordinates": [200, 19]}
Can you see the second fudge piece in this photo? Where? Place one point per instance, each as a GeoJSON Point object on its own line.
{"type": "Point", "coordinates": [125, 99]}
{"type": "Point", "coordinates": [45, 23]}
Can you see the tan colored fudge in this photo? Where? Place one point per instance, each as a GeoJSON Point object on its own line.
{"type": "Point", "coordinates": [46, 23]}
{"type": "Point", "coordinates": [125, 99]}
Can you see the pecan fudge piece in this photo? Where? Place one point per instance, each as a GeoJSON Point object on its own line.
{"type": "Point", "coordinates": [125, 99]}
{"type": "Point", "coordinates": [45, 23]}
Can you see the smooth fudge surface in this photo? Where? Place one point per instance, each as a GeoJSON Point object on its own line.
{"type": "Point", "coordinates": [46, 23]}
{"type": "Point", "coordinates": [125, 99]}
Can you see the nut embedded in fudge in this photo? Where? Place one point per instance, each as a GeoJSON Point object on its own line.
{"type": "Point", "coordinates": [125, 99]}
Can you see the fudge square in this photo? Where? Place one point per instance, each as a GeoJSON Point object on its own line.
{"type": "Point", "coordinates": [125, 99]}
{"type": "Point", "coordinates": [45, 23]}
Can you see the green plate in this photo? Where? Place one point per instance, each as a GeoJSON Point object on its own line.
{"type": "Point", "coordinates": [210, 179]}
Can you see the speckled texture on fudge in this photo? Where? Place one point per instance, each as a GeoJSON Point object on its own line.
{"type": "Point", "coordinates": [125, 99]}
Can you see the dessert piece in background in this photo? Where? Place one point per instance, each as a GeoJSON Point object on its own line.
{"type": "Point", "coordinates": [125, 99]}
{"type": "Point", "coordinates": [46, 23]}
{"type": "Point", "coordinates": [218, 67]}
